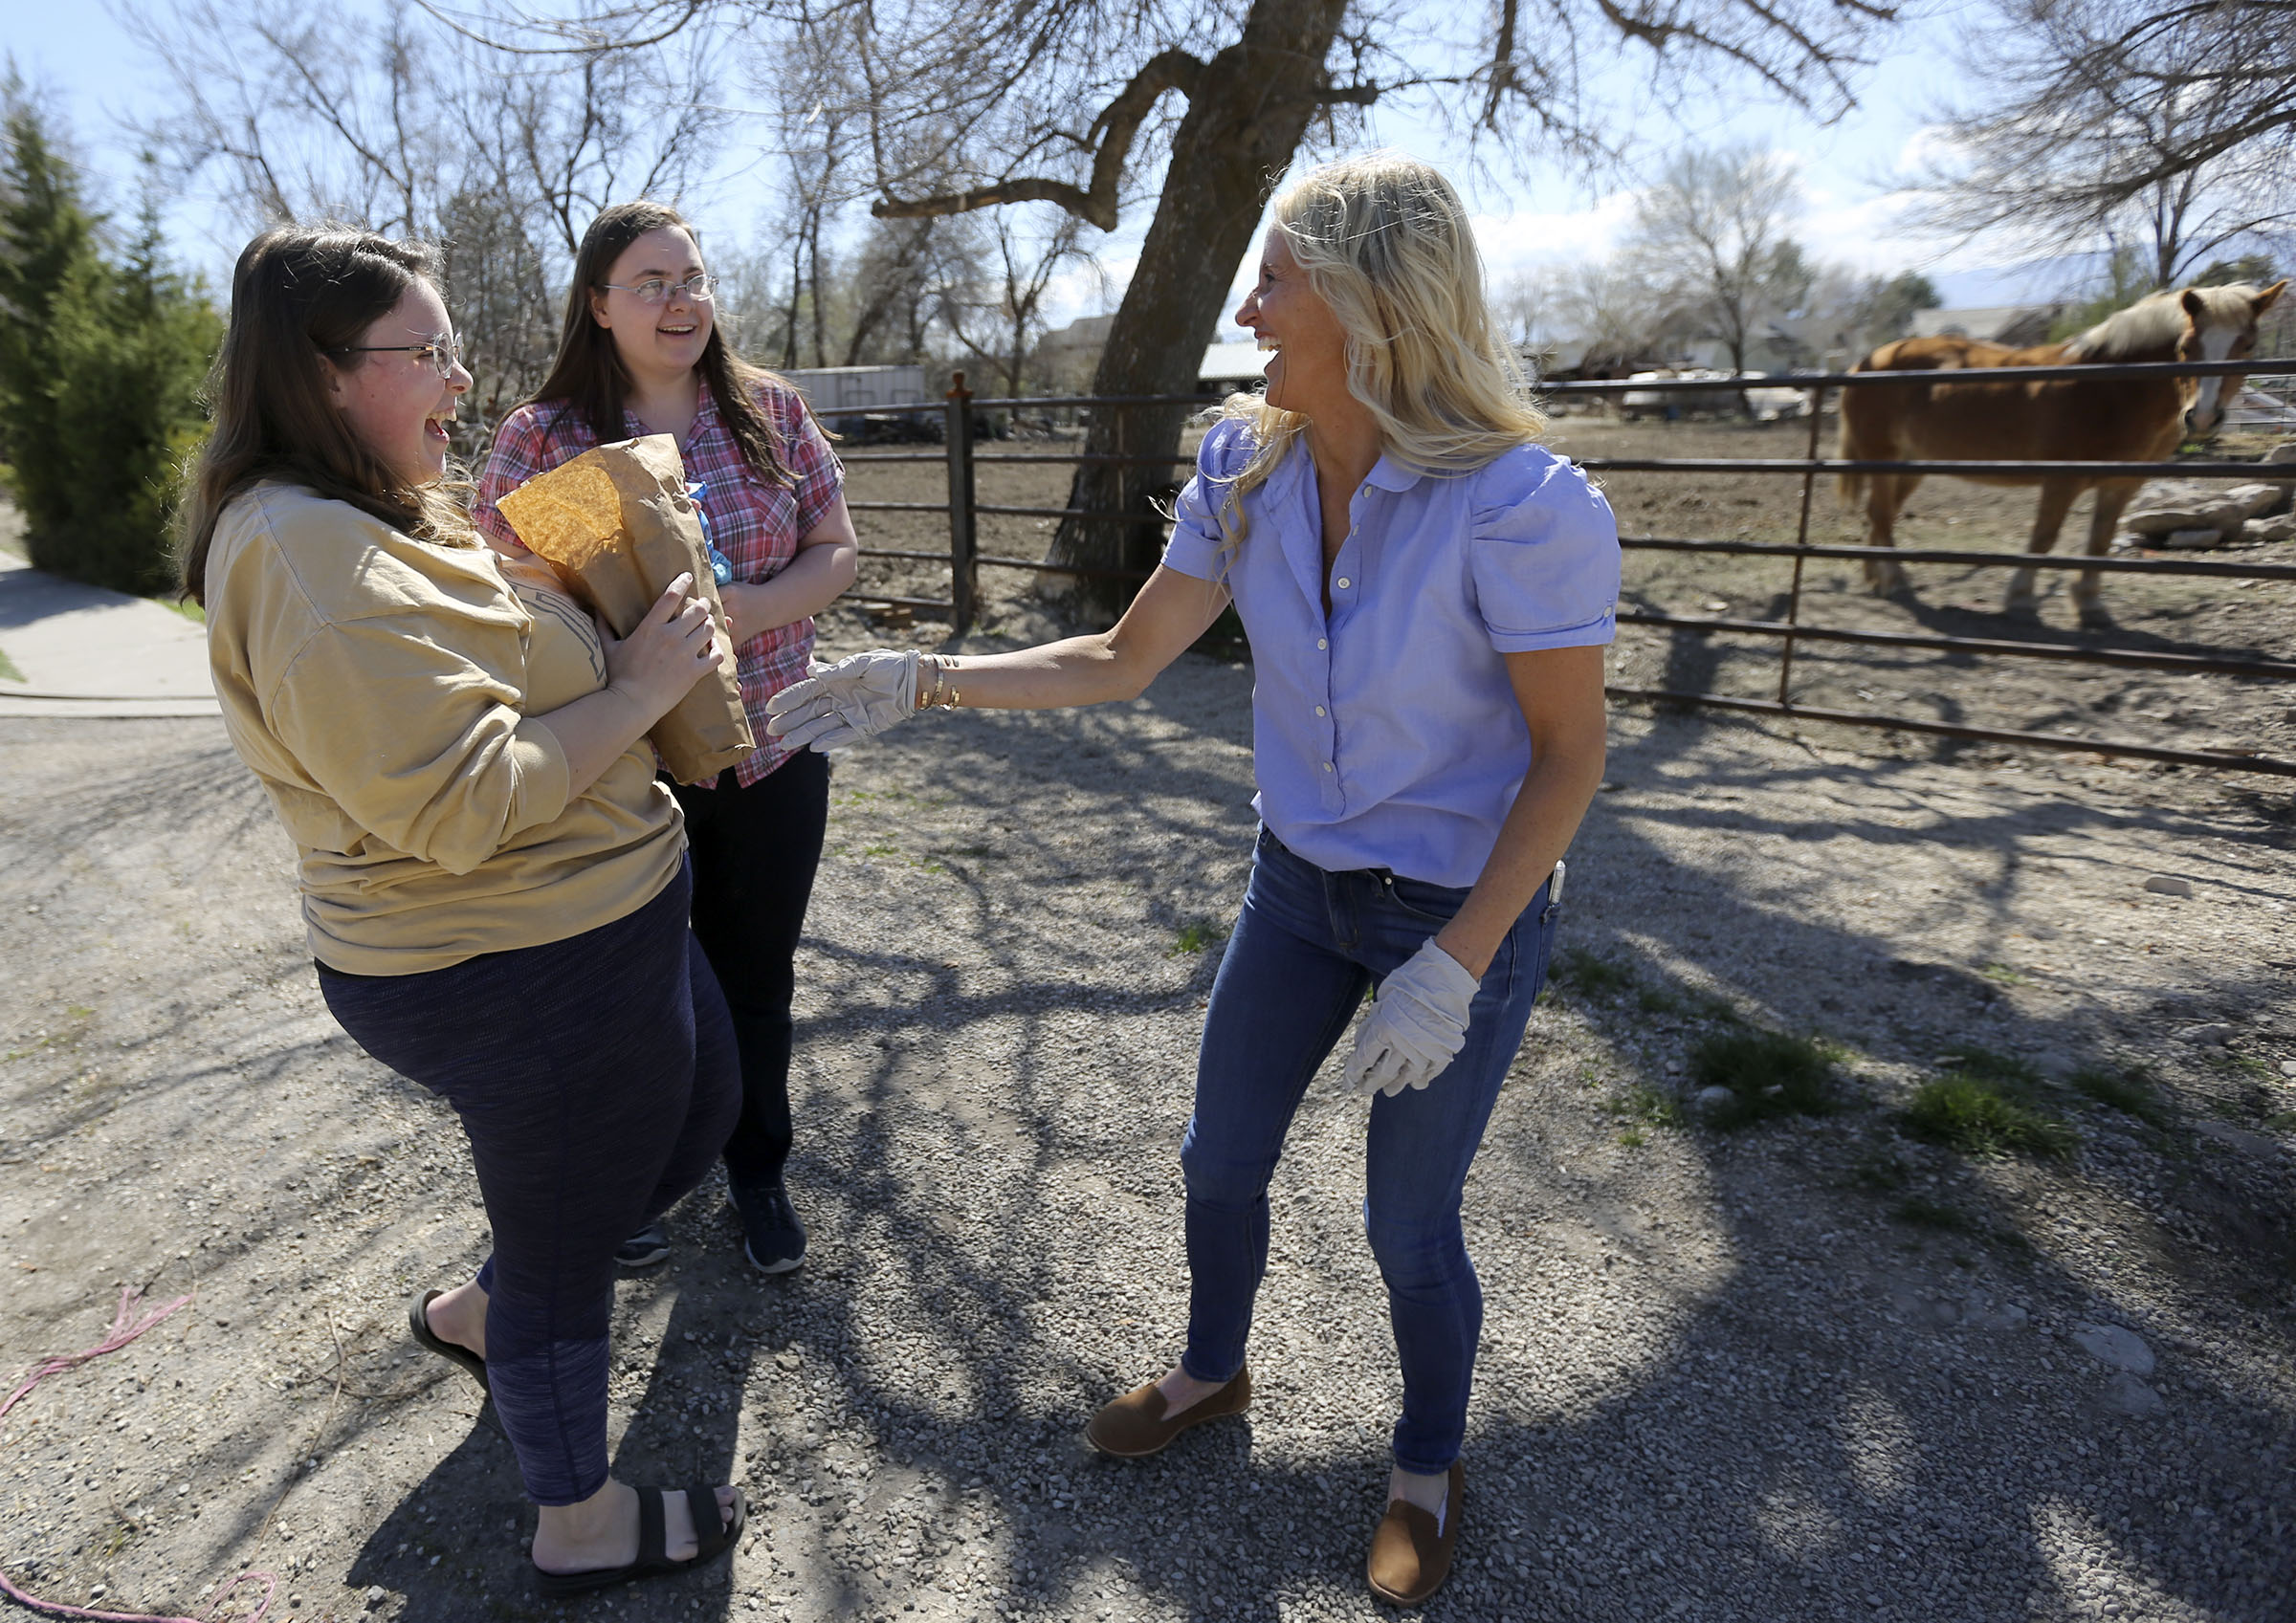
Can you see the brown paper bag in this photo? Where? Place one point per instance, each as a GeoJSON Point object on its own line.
{"type": "Point", "coordinates": [618, 527]}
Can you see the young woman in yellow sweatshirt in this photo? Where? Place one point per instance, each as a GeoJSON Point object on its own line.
{"type": "Point", "coordinates": [494, 883]}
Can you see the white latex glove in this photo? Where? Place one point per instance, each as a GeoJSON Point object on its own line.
{"type": "Point", "coordinates": [1417, 1024]}
{"type": "Point", "coordinates": [836, 706]}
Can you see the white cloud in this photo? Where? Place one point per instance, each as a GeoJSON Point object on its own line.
{"type": "Point", "coordinates": [1520, 240]}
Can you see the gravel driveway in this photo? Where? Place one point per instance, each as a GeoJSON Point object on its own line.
{"type": "Point", "coordinates": [1814, 1368]}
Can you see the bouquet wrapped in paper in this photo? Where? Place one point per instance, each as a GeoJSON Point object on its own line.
{"type": "Point", "coordinates": [618, 525]}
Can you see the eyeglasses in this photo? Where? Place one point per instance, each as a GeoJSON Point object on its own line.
{"type": "Point", "coordinates": [700, 286]}
{"type": "Point", "coordinates": [446, 354]}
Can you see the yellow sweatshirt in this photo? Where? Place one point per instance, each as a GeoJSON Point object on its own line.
{"type": "Point", "coordinates": [381, 688]}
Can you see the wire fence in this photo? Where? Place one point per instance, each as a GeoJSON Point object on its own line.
{"type": "Point", "coordinates": [961, 409]}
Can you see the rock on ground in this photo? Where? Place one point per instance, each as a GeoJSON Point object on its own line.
{"type": "Point", "coordinates": [2166, 506]}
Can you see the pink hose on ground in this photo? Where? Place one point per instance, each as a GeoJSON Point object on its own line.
{"type": "Point", "coordinates": [125, 1328]}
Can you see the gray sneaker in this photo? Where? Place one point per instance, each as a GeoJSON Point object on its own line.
{"type": "Point", "coordinates": [647, 1248]}
{"type": "Point", "coordinates": [772, 1238]}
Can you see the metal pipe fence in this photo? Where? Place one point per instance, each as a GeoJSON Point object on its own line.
{"type": "Point", "coordinates": [959, 409]}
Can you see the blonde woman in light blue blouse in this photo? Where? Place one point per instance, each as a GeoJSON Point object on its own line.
{"type": "Point", "coordinates": [1427, 593]}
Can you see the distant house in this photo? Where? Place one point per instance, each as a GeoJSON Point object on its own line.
{"type": "Point", "coordinates": [2016, 325]}
{"type": "Point", "coordinates": [1228, 367]}
{"type": "Point", "coordinates": [1073, 354]}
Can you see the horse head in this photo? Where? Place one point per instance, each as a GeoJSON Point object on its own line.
{"type": "Point", "coordinates": [2221, 325]}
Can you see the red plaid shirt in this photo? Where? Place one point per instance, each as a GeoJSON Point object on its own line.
{"type": "Point", "coordinates": [757, 524]}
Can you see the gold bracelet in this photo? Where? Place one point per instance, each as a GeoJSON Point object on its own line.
{"type": "Point", "coordinates": [944, 695]}
{"type": "Point", "coordinates": [925, 697]}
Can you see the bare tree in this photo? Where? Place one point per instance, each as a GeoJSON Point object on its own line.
{"type": "Point", "coordinates": [411, 128]}
{"type": "Point", "coordinates": [1098, 106]}
{"type": "Point", "coordinates": [1622, 318]}
{"type": "Point", "coordinates": [1710, 236]}
{"type": "Point", "coordinates": [893, 281]}
{"type": "Point", "coordinates": [997, 316]}
{"type": "Point", "coordinates": [2159, 127]}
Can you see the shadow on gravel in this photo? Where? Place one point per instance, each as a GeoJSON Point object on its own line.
{"type": "Point", "coordinates": [1828, 1426]}
{"type": "Point", "coordinates": [1835, 1432]}
{"type": "Point", "coordinates": [1865, 1460]}
{"type": "Point", "coordinates": [454, 1545]}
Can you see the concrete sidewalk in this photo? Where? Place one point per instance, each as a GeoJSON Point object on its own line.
{"type": "Point", "coordinates": [85, 651]}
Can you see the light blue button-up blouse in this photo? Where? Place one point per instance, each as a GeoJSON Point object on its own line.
{"type": "Point", "coordinates": [1388, 735]}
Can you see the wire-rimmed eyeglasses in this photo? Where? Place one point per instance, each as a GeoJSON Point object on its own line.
{"type": "Point", "coordinates": [445, 353]}
{"type": "Point", "coordinates": [701, 287]}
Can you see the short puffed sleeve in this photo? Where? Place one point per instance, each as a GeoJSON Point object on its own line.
{"type": "Point", "coordinates": [1544, 550]}
{"type": "Point", "coordinates": [1198, 547]}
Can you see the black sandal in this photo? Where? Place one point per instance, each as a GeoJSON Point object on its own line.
{"type": "Point", "coordinates": [651, 1561]}
{"type": "Point", "coordinates": [418, 1320]}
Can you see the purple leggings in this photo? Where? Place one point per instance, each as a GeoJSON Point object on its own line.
{"type": "Point", "coordinates": [597, 1081]}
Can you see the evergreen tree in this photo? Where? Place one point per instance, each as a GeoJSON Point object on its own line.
{"type": "Point", "coordinates": [133, 342]}
{"type": "Point", "coordinates": [47, 244]}
{"type": "Point", "coordinates": [100, 367]}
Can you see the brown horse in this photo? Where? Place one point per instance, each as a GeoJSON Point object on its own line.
{"type": "Point", "coordinates": [2141, 420]}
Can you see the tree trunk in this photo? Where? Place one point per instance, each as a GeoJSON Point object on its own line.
{"type": "Point", "coordinates": [1244, 123]}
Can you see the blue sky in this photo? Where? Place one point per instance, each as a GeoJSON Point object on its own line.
{"type": "Point", "coordinates": [96, 75]}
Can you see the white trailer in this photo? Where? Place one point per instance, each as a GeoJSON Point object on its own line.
{"type": "Point", "coordinates": [827, 389]}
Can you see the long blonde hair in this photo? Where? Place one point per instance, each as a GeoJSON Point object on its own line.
{"type": "Point", "coordinates": [1385, 242]}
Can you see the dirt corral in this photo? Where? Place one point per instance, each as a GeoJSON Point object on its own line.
{"type": "Point", "coordinates": [2244, 618]}
{"type": "Point", "coordinates": [1822, 1366]}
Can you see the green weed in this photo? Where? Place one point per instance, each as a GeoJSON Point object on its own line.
{"type": "Point", "coordinates": [1980, 1115]}
{"type": "Point", "coordinates": [1195, 937]}
{"type": "Point", "coordinates": [7, 669]}
{"type": "Point", "coordinates": [1658, 1000]}
{"type": "Point", "coordinates": [1993, 1065]}
{"type": "Point", "coordinates": [1591, 974]}
{"type": "Point", "coordinates": [2129, 1091]}
{"type": "Point", "coordinates": [1641, 1102]}
{"type": "Point", "coordinates": [2004, 975]}
{"type": "Point", "coordinates": [1768, 1073]}
{"type": "Point", "coordinates": [1633, 1138]}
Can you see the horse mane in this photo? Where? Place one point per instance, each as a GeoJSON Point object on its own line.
{"type": "Point", "coordinates": [2157, 322]}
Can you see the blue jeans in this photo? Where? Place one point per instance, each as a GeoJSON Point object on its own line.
{"type": "Point", "coordinates": [1306, 946]}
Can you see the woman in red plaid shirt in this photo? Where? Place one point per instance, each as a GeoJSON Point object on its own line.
{"type": "Point", "coordinates": [640, 354]}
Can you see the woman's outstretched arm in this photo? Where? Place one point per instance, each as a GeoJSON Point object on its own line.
{"type": "Point", "coordinates": [1170, 613]}
{"type": "Point", "coordinates": [864, 693]}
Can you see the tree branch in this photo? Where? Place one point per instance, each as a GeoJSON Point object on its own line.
{"type": "Point", "coordinates": [1115, 128]}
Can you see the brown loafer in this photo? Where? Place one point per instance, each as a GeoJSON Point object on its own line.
{"type": "Point", "coordinates": [1135, 1424]}
{"type": "Point", "coordinates": [1409, 1559]}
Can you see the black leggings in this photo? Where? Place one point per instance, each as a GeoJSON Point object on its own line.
{"type": "Point", "coordinates": [755, 851]}
{"type": "Point", "coordinates": [596, 1079]}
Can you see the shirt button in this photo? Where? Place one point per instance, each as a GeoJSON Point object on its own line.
{"type": "Point", "coordinates": [1341, 582]}
{"type": "Point", "coordinates": [1321, 643]}
{"type": "Point", "coordinates": [1327, 766]}
{"type": "Point", "coordinates": [1319, 710]}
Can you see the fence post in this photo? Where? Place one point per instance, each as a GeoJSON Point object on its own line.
{"type": "Point", "coordinates": [964, 571]}
{"type": "Point", "coordinates": [1801, 539]}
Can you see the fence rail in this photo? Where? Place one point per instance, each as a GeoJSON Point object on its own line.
{"type": "Point", "coordinates": [958, 411]}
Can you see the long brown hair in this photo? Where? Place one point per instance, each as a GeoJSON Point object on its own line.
{"type": "Point", "coordinates": [301, 297]}
{"type": "Point", "coordinates": [589, 380]}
